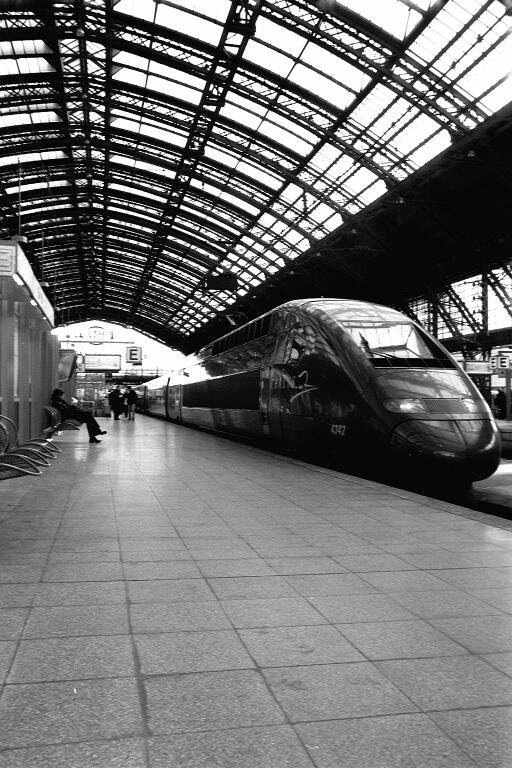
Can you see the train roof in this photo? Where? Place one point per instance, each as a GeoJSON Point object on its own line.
{"type": "Point", "coordinates": [342, 310]}
{"type": "Point", "coordinates": [351, 310]}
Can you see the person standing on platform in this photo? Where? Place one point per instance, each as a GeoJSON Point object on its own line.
{"type": "Point", "coordinates": [131, 401]}
{"type": "Point", "coordinates": [500, 403]}
{"type": "Point", "coordinates": [70, 411]}
{"type": "Point", "coordinates": [115, 400]}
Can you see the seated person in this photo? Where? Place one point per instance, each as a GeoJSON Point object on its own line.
{"type": "Point", "coordinates": [72, 412]}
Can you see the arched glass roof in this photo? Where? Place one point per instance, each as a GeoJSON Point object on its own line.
{"type": "Point", "coordinates": [158, 144]}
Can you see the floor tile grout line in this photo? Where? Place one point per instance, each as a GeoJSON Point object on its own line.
{"type": "Point", "coordinates": [139, 677]}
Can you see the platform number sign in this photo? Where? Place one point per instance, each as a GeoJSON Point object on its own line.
{"type": "Point", "coordinates": [500, 362]}
{"type": "Point", "coordinates": [134, 355]}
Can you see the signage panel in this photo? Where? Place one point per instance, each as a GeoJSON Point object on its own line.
{"type": "Point", "coordinates": [134, 355]}
{"type": "Point", "coordinates": [14, 263]}
{"type": "Point", "coordinates": [102, 362]}
{"type": "Point", "coordinates": [7, 260]}
{"type": "Point", "coordinates": [477, 367]}
{"type": "Point", "coordinates": [500, 362]}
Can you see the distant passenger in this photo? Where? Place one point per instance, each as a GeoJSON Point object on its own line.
{"type": "Point", "coordinates": [500, 403]}
{"type": "Point", "coordinates": [131, 401]}
{"type": "Point", "coordinates": [115, 400]}
{"type": "Point", "coordinates": [124, 400]}
{"type": "Point", "coordinates": [70, 411]}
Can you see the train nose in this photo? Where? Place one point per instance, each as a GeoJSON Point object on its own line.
{"type": "Point", "coordinates": [472, 447]}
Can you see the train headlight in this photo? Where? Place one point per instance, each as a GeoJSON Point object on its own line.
{"type": "Point", "coordinates": [405, 405]}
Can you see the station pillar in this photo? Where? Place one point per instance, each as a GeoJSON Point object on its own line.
{"type": "Point", "coordinates": [28, 350]}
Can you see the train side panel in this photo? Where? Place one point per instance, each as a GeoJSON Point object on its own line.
{"type": "Point", "coordinates": [156, 398]}
{"type": "Point", "coordinates": [227, 403]}
{"type": "Point", "coordinates": [174, 402]}
{"type": "Point", "coordinates": [315, 389]}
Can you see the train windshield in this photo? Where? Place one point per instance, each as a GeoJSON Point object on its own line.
{"type": "Point", "coordinates": [396, 344]}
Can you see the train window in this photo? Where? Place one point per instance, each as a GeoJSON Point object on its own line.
{"type": "Point", "coordinates": [241, 336]}
{"type": "Point", "coordinates": [447, 385]}
{"type": "Point", "coordinates": [397, 344]}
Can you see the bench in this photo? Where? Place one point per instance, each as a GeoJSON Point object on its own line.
{"type": "Point", "coordinates": [56, 424]}
{"type": "Point", "coordinates": [39, 449]}
{"type": "Point", "coordinates": [16, 461]}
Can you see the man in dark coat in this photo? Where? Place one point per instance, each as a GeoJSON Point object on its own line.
{"type": "Point", "coordinates": [115, 400]}
{"type": "Point", "coordinates": [70, 411]}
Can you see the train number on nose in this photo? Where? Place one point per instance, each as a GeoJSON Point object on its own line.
{"type": "Point", "coordinates": [338, 429]}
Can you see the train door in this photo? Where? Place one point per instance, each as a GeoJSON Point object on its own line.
{"type": "Point", "coordinates": [265, 378]}
{"type": "Point", "coordinates": [272, 384]}
{"type": "Point", "coordinates": [173, 402]}
{"type": "Point", "coordinates": [279, 386]}
{"type": "Point", "coordinates": [271, 389]}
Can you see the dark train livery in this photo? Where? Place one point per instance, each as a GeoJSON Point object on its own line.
{"type": "Point", "coordinates": [343, 377]}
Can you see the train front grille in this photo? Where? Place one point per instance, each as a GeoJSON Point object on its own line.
{"type": "Point", "coordinates": [445, 405]}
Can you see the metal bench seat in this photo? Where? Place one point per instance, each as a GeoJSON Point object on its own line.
{"type": "Point", "coordinates": [38, 449]}
{"type": "Point", "coordinates": [13, 465]}
{"type": "Point", "coordinates": [56, 422]}
{"type": "Point", "coordinates": [17, 461]}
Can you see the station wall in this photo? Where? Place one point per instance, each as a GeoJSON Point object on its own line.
{"type": "Point", "coordinates": [28, 359]}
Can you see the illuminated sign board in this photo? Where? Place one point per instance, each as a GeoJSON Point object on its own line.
{"type": "Point", "coordinates": [14, 263]}
{"type": "Point", "coordinates": [102, 362]}
{"type": "Point", "coordinates": [477, 367]}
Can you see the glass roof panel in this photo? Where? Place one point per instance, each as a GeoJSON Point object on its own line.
{"type": "Point", "coordinates": [131, 76]}
{"type": "Point", "coordinates": [221, 157]}
{"type": "Point", "coordinates": [25, 65]}
{"type": "Point", "coordinates": [273, 60]}
{"type": "Point", "coordinates": [30, 157]}
{"type": "Point", "coordinates": [496, 64]}
{"type": "Point", "coordinates": [284, 138]}
{"type": "Point", "coordinates": [23, 48]}
{"type": "Point", "coordinates": [240, 115]}
{"type": "Point", "coordinates": [393, 16]}
{"type": "Point", "coordinates": [498, 97]}
{"type": "Point", "coordinates": [259, 174]}
{"type": "Point", "coordinates": [322, 86]}
{"type": "Point", "coordinates": [271, 164]}
{"type": "Point", "coordinates": [174, 89]}
{"type": "Point", "coordinates": [173, 18]}
{"type": "Point", "coordinates": [336, 67]}
{"type": "Point", "coordinates": [135, 8]}
{"type": "Point", "coordinates": [279, 37]}
{"type": "Point", "coordinates": [412, 135]}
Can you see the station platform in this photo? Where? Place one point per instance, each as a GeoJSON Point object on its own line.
{"type": "Point", "coordinates": [170, 598]}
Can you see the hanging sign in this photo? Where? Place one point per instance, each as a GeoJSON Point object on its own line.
{"type": "Point", "coordinates": [134, 355]}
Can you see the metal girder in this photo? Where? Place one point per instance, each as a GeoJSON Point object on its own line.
{"type": "Point", "coordinates": [337, 27]}
{"type": "Point", "coordinates": [503, 296]}
{"type": "Point", "coordinates": [54, 21]}
{"type": "Point", "coordinates": [464, 310]}
{"type": "Point", "coordinates": [101, 262]}
{"type": "Point", "coordinates": [438, 308]}
{"type": "Point", "coordinates": [239, 27]}
{"type": "Point", "coordinates": [100, 229]}
{"type": "Point", "coordinates": [268, 87]}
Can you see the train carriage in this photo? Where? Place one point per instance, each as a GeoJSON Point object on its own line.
{"type": "Point", "coordinates": [338, 376]}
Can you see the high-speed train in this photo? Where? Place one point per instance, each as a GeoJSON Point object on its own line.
{"type": "Point", "coordinates": [340, 377]}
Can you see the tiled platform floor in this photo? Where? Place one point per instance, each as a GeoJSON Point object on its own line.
{"type": "Point", "coordinates": [170, 598]}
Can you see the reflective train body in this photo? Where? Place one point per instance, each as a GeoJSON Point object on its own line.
{"type": "Point", "coordinates": [340, 377]}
